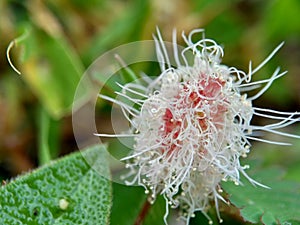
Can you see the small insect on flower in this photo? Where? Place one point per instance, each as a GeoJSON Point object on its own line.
{"type": "Point", "coordinates": [192, 123]}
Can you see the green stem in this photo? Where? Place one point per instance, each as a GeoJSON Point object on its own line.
{"type": "Point", "coordinates": [44, 155]}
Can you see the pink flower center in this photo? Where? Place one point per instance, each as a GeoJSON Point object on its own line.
{"type": "Point", "coordinates": [204, 99]}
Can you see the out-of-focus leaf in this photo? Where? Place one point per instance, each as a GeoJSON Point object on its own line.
{"type": "Point", "coordinates": [88, 4]}
{"type": "Point", "coordinates": [277, 205]}
{"type": "Point", "coordinates": [280, 23]}
{"type": "Point", "coordinates": [13, 95]}
{"type": "Point", "coordinates": [281, 19]}
{"type": "Point", "coordinates": [124, 29]}
{"type": "Point", "coordinates": [127, 203]}
{"type": "Point", "coordinates": [156, 212]}
{"type": "Point", "coordinates": [130, 206]}
{"type": "Point", "coordinates": [293, 172]}
{"type": "Point", "coordinates": [51, 69]}
{"type": "Point", "coordinates": [231, 22]}
{"type": "Point", "coordinates": [203, 4]}
{"type": "Point", "coordinates": [67, 191]}
{"type": "Point", "coordinates": [295, 222]}
{"type": "Point", "coordinates": [130, 201]}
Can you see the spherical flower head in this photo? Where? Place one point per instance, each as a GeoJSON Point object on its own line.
{"type": "Point", "coordinates": [193, 124]}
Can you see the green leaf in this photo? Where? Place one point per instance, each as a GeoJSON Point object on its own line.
{"type": "Point", "coordinates": [293, 162]}
{"type": "Point", "coordinates": [128, 27]}
{"type": "Point", "coordinates": [277, 205]}
{"type": "Point", "coordinates": [156, 212]}
{"type": "Point", "coordinates": [279, 19]}
{"type": "Point", "coordinates": [294, 171]}
{"type": "Point", "coordinates": [67, 191]}
{"type": "Point", "coordinates": [51, 68]}
{"type": "Point", "coordinates": [127, 203]}
{"type": "Point", "coordinates": [130, 206]}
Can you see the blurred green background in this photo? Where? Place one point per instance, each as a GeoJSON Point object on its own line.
{"type": "Point", "coordinates": [59, 39]}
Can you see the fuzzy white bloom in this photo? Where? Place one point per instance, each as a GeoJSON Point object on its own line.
{"type": "Point", "coordinates": [192, 125]}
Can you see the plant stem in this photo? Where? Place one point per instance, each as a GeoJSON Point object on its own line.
{"type": "Point", "coordinates": [143, 213]}
{"type": "Point", "coordinates": [43, 134]}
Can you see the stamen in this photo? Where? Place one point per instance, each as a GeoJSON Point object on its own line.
{"type": "Point", "coordinates": [268, 58]}
{"type": "Point", "coordinates": [268, 141]}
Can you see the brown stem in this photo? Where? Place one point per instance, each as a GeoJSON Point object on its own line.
{"type": "Point", "coordinates": [143, 213]}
